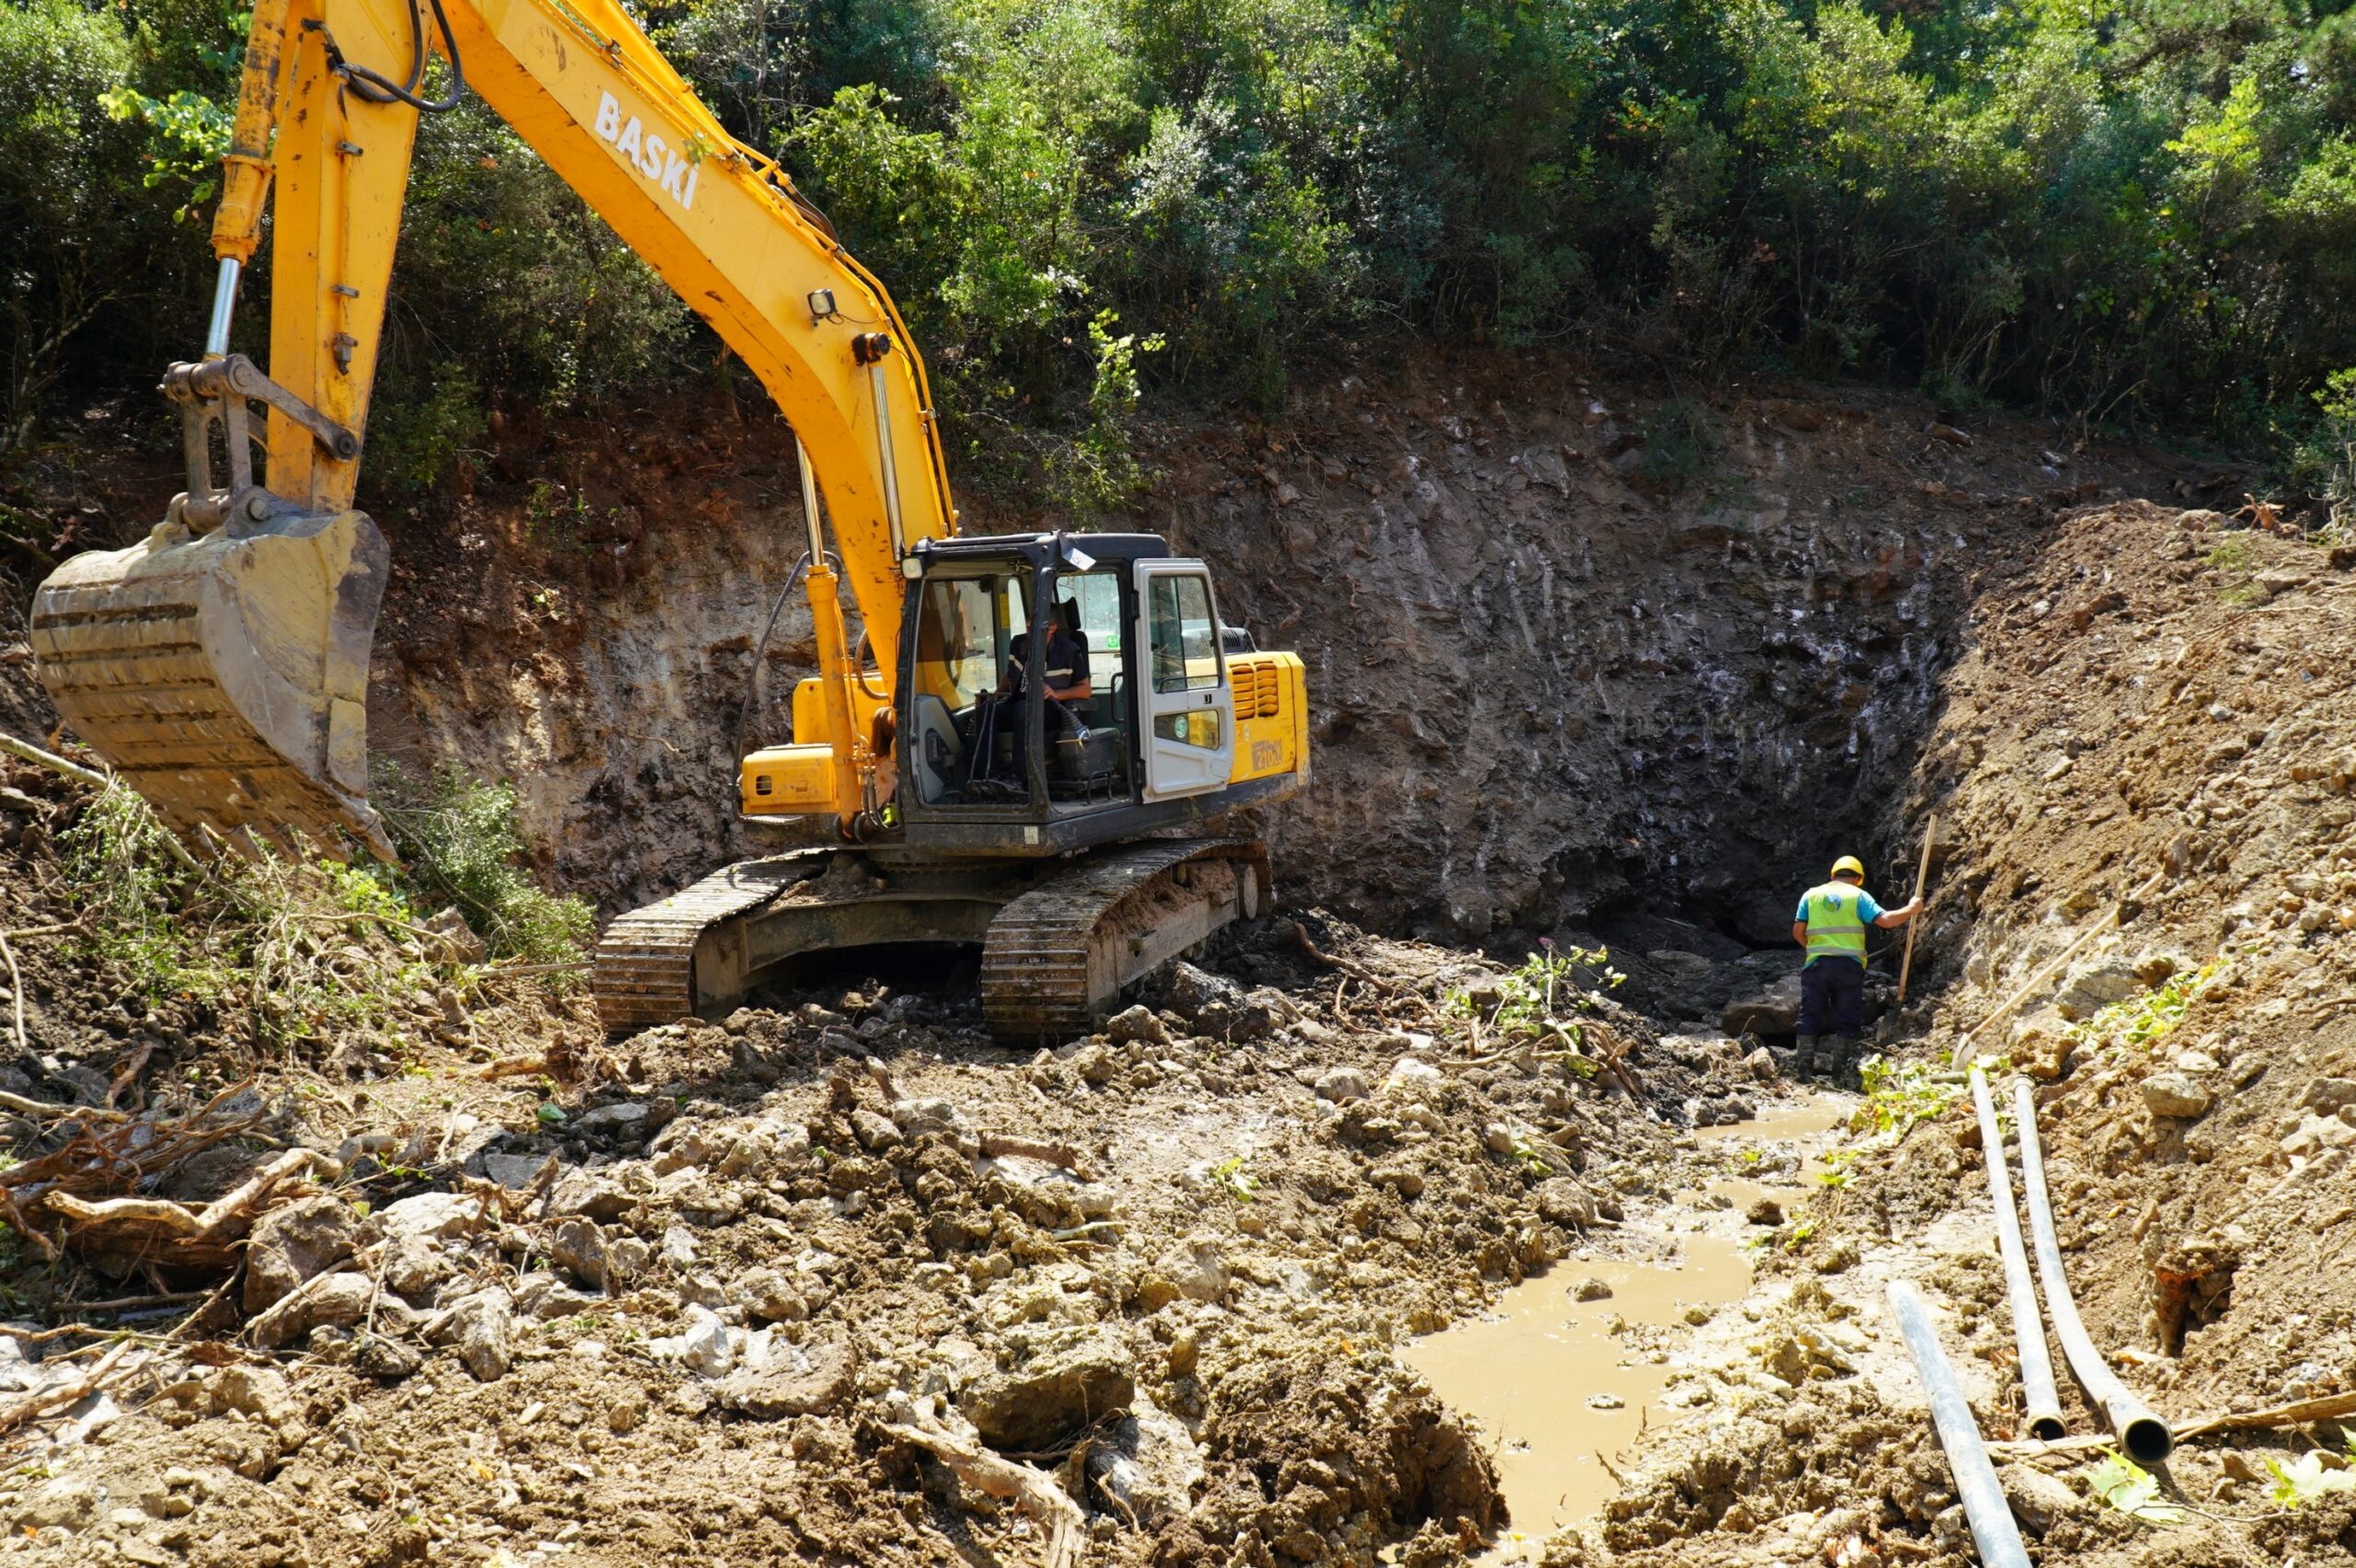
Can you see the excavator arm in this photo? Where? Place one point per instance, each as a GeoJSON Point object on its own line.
{"type": "Point", "coordinates": [221, 665]}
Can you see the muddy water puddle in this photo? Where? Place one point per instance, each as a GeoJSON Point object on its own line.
{"type": "Point", "coordinates": [1556, 1389]}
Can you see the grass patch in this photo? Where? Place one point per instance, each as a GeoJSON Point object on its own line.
{"type": "Point", "coordinates": [303, 949]}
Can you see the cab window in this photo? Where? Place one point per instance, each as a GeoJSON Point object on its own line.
{"type": "Point", "coordinates": [1185, 639]}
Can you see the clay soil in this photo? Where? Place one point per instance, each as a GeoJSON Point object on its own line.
{"type": "Point", "coordinates": [728, 1289]}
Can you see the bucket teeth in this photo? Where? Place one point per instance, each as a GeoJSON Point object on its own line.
{"type": "Point", "coordinates": [225, 675]}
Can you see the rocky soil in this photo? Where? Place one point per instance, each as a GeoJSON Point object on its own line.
{"type": "Point", "coordinates": [787, 1285]}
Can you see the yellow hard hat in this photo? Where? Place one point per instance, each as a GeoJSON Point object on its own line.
{"type": "Point", "coordinates": [1849, 864]}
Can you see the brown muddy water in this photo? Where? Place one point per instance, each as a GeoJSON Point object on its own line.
{"type": "Point", "coordinates": [1557, 1383]}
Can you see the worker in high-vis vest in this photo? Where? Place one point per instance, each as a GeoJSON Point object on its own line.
{"type": "Point", "coordinates": [1830, 924]}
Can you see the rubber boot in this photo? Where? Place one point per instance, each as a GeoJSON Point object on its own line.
{"type": "Point", "coordinates": [1803, 1055]}
{"type": "Point", "coordinates": [1846, 1052]}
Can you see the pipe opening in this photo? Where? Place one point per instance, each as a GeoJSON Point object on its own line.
{"type": "Point", "coordinates": [2148, 1440]}
{"type": "Point", "coordinates": [2048, 1429]}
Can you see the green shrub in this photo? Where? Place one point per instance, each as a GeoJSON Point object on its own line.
{"type": "Point", "coordinates": [460, 846]}
{"type": "Point", "coordinates": [300, 950]}
{"type": "Point", "coordinates": [2141, 215]}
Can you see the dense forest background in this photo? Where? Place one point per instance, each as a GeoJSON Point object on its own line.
{"type": "Point", "coordinates": [2133, 214]}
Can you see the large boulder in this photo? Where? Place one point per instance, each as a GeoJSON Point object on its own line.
{"type": "Point", "coordinates": [295, 1242]}
{"type": "Point", "coordinates": [780, 1379]}
{"type": "Point", "coordinates": [2095, 987]}
{"type": "Point", "coordinates": [1054, 1381]}
{"type": "Point", "coordinates": [1774, 1010]}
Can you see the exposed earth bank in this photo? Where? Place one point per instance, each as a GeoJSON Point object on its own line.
{"type": "Point", "coordinates": [799, 1283]}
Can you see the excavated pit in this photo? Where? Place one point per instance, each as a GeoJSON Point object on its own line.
{"type": "Point", "coordinates": [1556, 695]}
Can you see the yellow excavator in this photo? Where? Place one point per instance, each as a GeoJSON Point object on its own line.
{"type": "Point", "coordinates": [1026, 749]}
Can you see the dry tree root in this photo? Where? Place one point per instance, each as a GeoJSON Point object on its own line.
{"type": "Point", "coordinates": [30, 1407]}
{"type": "Point", "coordinates": [1033, 1490]}
{"type": "Point", "coordinates": [83, 1189]}
{"type": "Point", "coordinates": [1350, 967]}
{"type": "Point", "coordinates": [998, 1144]}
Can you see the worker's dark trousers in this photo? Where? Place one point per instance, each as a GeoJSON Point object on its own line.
{"type": "Point", "coordinates": [1833, 996]}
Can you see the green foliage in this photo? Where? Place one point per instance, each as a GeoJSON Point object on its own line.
{"type": "Point", "coordinates": [506, 278]}
{"type": "Point", "coordinates": [1539, 1003]}
{"type": "Point", "coordinates": [2142, 214]}
{"type": "Point", "coordinates": [2313, 1475]}
{"type": "Point", "coordinates": [2139, 1021]}
{"type": "Point", "coordinates": [1098, 470]}
{"type": "Point", "coordinates": [1898, 1095]}
{"type": "Point", "coordinates": [414, 442]}
{"type": "Point", "coordinates": [2131, 1489]}
{"type": "Point", "coordinates": [2331, 451]}
{"type": "Point", "coordinates": [188, 134]}
{"type": "Point", "coordinates": [62, 160]}
{"type": "Point", "coordinates": [1534, 999]}
{"type": "Point", "coordinates": [1230, 1173]}
{"type": "Point", "coordinates": [302, 950]}
{"type": "Point", "coordinates": [460, 846]}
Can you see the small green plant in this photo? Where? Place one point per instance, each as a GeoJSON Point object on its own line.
{"type": "Point", "coordinates": [1098, 470]}
{"type": "Point", "coordinates": [303, 948]}
{"type": "Point", "coordinates": [2127, 1486]}
{"type": "Point", "coordinates": [2140, 1021]}
{"type": "Point", "coordinates": [1677, 444]}
{"type": "Point", "coordinates": [1898, 1095]}
{"type": "Point", "coordinates": [2313, 1475]}
{"type": "Point", "coordinates": [1540, 1000]}
{"type": "Point", "coordinates": [2233, 558]}
{"type": "Point", "coordinates": [1230, 1173]}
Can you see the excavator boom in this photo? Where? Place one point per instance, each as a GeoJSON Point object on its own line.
{"type": "Point", "coordinates": [221, 664]}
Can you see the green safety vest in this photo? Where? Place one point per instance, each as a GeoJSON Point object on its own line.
{"type": "Point", "coordinates": [1835, 929]}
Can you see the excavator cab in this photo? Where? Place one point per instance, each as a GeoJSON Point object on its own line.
{"type": "Point", "coordinates": [1158, 711]}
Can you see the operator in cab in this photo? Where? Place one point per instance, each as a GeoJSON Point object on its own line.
{"type": "Point", "coordinates": [1066, 679]}
{"type": "Point", "coordinates": [1830, 924]}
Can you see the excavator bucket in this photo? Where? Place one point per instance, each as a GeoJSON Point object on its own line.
{"type": "Point", "coordinates": [225, 674]}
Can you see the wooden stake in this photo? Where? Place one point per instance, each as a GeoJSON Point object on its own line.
{"type": "Point", "coordinates": [1922, 875]}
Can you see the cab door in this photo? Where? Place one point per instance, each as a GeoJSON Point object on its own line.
{"type": "Point", "coordinates": [1185, 713]}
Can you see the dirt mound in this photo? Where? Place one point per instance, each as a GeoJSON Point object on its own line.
{"type": "Point", "coordinates": [693, 1300]}
{"type": "Point", "coordinates": [2153, 719]}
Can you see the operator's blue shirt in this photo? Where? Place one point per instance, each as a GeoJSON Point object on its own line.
{"type": "Point", "coordinates": [1868, 910]}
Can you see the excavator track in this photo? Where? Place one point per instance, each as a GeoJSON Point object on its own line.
{"type": "Point", "coordinates": [644, 973]}
{"type": "Point", "coordinates": [1056, 957]}
{"type": "Point", "coordinates": [1056, 952]}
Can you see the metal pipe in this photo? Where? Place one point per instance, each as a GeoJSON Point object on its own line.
{"type": "Point", "coordinates": [224, 304]}
{"type": "Point", "coordinates": [2139, 1430]}
{"type": "Point", "coordinates": [809, 500]}
{"type": "Point", "coordinates": [1993, 1530]}
{"type": "Point", "coordinates": [2038, 1394]}
{"type": "Point", "coordinates": [891, 460]}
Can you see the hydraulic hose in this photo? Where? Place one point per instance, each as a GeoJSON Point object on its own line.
{"type": "Point", "coordinates": [1993, 1530]}
{"type": "Point", "coordinates": [761, 648]}
{"type": "Point", "coordinates": [2043, 1404]}
{"type": "Point", "coordinates": [2141, 1432]}
{"type": "Point", "coordinates": [378, 88]}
